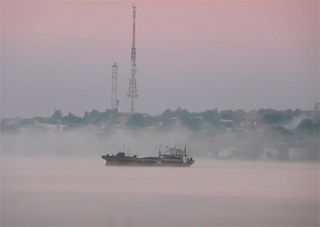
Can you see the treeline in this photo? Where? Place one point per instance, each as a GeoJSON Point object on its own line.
{"type": "Point", "coordinates": [307, 121]}
{"type": "Point", "coordinates": [263, 133]}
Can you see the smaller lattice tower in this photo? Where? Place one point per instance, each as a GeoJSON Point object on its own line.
{"type": "Point", "coordinates": [114, 99]}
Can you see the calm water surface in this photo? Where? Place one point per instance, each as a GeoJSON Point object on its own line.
{"type": "Point", "coordinates": [80, 192]}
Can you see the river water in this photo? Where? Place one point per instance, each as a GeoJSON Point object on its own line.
{"type": "Point", "coordinates": [84, 192]}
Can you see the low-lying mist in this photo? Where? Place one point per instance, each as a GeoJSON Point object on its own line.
{"type": "Point", "coordinates": [91, 141]}
{"type": "Point", "coordinates": [55, 177]}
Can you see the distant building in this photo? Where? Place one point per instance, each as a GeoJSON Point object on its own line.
{"type": "Point", "coordinates": [270, 153]}
{"type": "Point", "coordinates": [297, 153]}
{"type": "Point", "coordinates": [262, 127]}
{"type": "Point", "coordinates": [226, 153]}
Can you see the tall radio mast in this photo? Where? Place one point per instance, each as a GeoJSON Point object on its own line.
{"type": "Point", "coordinates": [133, 83]}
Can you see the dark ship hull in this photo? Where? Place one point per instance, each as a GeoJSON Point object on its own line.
{"type": "Point", "coordinates": [174, 157]}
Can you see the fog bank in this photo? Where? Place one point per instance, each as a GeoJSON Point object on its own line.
{"type": "Point", "coordinates": [92, 141]}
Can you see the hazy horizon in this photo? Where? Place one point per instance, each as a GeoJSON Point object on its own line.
{"type": "Point", "coordinates": [196, 55]}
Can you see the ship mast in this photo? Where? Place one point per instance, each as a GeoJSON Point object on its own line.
{"type": "Point", "coordinates": [132, 94]}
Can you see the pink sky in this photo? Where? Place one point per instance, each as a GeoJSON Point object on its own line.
{"type": "Point", "coordinates": [190, 54]}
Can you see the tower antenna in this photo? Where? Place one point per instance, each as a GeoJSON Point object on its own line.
{"type": "Point", "coordinates": [132, 94]}
{"type": "Point", "coordinates": [114, 99]}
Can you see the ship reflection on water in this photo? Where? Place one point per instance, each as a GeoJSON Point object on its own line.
{"type": "Point", "coordinates": [70, 192]}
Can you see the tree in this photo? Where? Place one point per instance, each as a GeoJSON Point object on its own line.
{"type": "Point", "coordinates": [307, 125]}
{"type": "Point", "coordinates": [93, 116]}
{"type": "Point", "coordinates": [276, 118]}
{"type": "Point", "coordinates": [166, 114]}
{"type": "Point", "coordinates": [211, 116]}
{"type": "Point", "coordinates": [182, 114]}
{"type": "Point", "coordinates": [136, 121]}
{"type": "Point", "coordinates": [56, 117]}
{"type": "Point", "coordinates": [72, 119]}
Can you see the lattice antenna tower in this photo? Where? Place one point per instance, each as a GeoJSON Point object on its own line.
{"type": "Point", "coordinates": [114, 97]}
{"type": "Point", "coordinates": [132, 94]}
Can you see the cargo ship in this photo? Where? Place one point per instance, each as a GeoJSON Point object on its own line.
{"type": "Point", "coordinates": [171, 157]}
